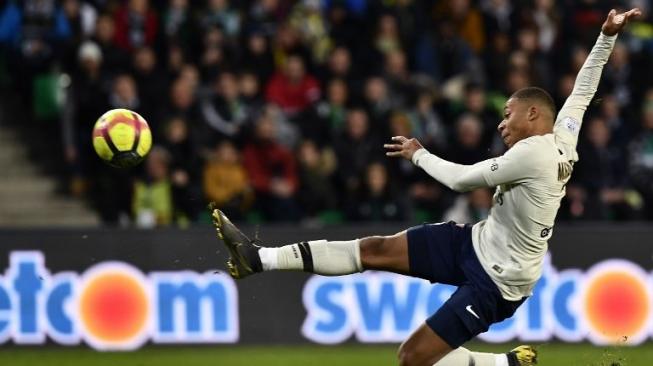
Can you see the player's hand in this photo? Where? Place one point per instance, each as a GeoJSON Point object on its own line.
{"type": "Point", "coordinates": [403, 147]}
{"type": "Point", "coordinates": [616, 22]}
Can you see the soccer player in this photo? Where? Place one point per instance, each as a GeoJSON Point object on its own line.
{"type": "Point", "coordinates": [494, 263]}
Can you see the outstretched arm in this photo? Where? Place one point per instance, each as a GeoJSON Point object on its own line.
{"type": "Point", "coordinates": [570, 117]}
{"type": "Point", "coordinates": [508, 168]}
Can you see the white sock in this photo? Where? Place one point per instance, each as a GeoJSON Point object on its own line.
{"type": "Point", "coordinates": [320, 256]}
{"type": "Point", "coordinates": [463, 357]}
{"type": "Point", "coordinates": [501, 359]}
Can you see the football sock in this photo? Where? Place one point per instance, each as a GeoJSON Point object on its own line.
{"type": "Point", "coordinates": [323, 257]}
{"type": "Point", "coordinates": [463, 357]}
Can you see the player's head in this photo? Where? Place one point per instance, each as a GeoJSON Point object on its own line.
{"type": "Point", "coordinates": [528, 112]}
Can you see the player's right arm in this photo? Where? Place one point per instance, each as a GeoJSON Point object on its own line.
{"type": "Point", "coordinates": [569, 119]}
{"type": "Point", "coordinates": [508, 168]}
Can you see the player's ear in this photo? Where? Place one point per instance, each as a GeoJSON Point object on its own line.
{"type": "Point", "coordinates": [533, 113]}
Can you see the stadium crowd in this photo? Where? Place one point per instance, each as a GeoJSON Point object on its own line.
{"type": "Point", "coordinates": [277, 110]}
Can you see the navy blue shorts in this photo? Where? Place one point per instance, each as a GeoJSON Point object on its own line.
{"type": "Point", "coordinates": [444, 253]}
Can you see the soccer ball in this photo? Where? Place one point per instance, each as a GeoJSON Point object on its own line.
{"type": "Point", "coordinates": [121, 138]}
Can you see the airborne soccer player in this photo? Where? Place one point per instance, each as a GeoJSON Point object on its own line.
{"type": "Point", "coordinates": [494, 263]}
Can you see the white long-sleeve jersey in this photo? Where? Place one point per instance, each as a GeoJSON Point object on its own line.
{"type": "Point", "coordinates": [530, 181]}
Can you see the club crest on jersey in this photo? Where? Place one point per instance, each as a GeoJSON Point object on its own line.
{"type": "Point", "coordinates": [494, 166]}
{"type": "Point", "coordinates": [571, 125]}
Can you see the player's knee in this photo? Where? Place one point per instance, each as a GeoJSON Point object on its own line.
{"type": "Point", "coordinates": [408, 356]}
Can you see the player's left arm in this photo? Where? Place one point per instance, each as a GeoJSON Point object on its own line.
{"type": "Point", "coordinates": [508, 168]}
{"type": "Point", "coordinates": [569, 119]}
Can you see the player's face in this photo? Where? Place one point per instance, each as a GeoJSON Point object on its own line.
{"type": "Point", "coordinates": [514, 126]}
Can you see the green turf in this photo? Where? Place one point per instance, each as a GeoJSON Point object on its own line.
{"type": "Point", "coordinates": [550, 355]}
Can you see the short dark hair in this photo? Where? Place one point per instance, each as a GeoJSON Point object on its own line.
{"type": "Point", "coordinates": [540, 95]}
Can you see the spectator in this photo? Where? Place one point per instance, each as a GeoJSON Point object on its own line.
{"type": "Point", "coordinates": [564, 88]}
{"type": "Point", "coordinates": [467, 21]}
{"type": "Point", "coordinates": [152, 203]}
{"type": "Point", "coordinates": [345, 24]}
{"type": "Point", "coordinates": [443, 55]}
{"type": "Point", "coordinates": [191, 76]}
{"type": "Point", "coordinates": [378, 103]}
{"type": "Point", "coordinates": [287, 42]}
{"type": "Point", "coordinates": [316, 193]}
{"type": "Point", "coordinates": [602, 175]}
{"type": "Point", "coordinates": [475, 103]}
{"type": "Point", "coordinates": [124, 94]}
{"type": "Point", "coordinates": [471, 207]}
{"type": "Point", "coordinates": [327, 118]}
{"type": "Point", "coordinates": [224, 111]}
{"type": "Point", "coordinates": [409, 15]}
{"type": "Point", "coordinates": [376, 200]}
{"type": "Point", "coordinates": [496, 59]}
{"type": "Point", "coordinates": [249, 87]}
{"type": "Point", "coordinates": [547, 20]}
{"type": "Point", "coordinates": [257, 56]}
{"type": "Point", "coordinates": [426, 124]}
{"type": "Point", "coordinates": [86, 101]}
{"type": "Point", "coordinates": [537, 63]}
{"type": "Point", "coordinates": [265, 15]}
{"type": "Point", "coordinates": [641, 156]}
{"type": "Point", "coordinates": [618, 76]}
{"type": "Point", "coordinates": [182, 104]}
{"type": "Point", "coordinates": [136, 25]}
{"type": "Point", "coordinates": [226, 182]}
{"type": "Point", "coordinates": [176, 58]}
{"type": "Point", "coordinates": [339, 66]}
{"type": "Point", "coordinates": [397, 75]}
{"type": "Point", "coordinates": [148, 77]}
{"type": "Point", "coordinates": [387, 38]}
{"type": "Point", "coordinates": [273, 172]}
{"type": "Point", "coordinates": [467, 147]}
{"type": "Point", "coordinates": [499, 17]}
{"type": "Point", "coordinates": [80, 19]}
{"type": "Point", "coordinates": [215, 56]}
{"type": "Point", "coordinates": [620, 129]}
{"type": "Point", "coordinates": [178, 24]}
{"type": "Point", "coordinates": [293, 90]}
{"type": "Point", "coordinates": [355, 148]}
{"type": "Point", "coordinates": [184, 168]}
{"type": "Point", "coordinates": [10, 23]}
{"type": "Point", "coordinates": [34, 30]}
{"type": "Point", "coordinates": [115, 58]}
{"type": "Point", "coordinates": [219, 13]}
{"type": "Point", "coordinates": [306, 17]}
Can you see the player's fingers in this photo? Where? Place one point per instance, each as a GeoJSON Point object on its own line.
{"type": "Point", "coordinates": [393, 153]}
{"type": "Point", "coordinates": [401, 139]}
{"type": "Point", "coordinates": [392, 146]}
{"type": "Point", "coordinates": [611, 15]}
{"type": "Point", "coordinates": [633, 13]}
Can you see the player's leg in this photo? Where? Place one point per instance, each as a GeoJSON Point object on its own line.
{"type": "Point", "coordinates": [389, 253]}
{"type": "Point", "coordinates": [520, 356]}
{"type": "Point", "coordinates": [425, 347]}
{"type": "Point", "coordinates": [466, 314]}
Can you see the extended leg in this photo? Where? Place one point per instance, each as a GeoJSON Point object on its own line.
{"type": "Point", "coordinates": [320, 256]}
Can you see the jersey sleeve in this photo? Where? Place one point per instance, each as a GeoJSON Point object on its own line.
{"type": "Point", "coordinates": [570, 117]}
{"type": "Point", "coordinates": [513, 166]}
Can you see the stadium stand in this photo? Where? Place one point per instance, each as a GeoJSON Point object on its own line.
{"type": "Point", "coordinates": [278, 109]}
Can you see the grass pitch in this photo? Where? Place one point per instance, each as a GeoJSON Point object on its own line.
{"type": "Point", "coordinates": [552, 354]}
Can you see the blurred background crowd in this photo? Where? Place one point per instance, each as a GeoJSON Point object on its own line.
{"type": "Point", "coordinates": [277, 110]}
